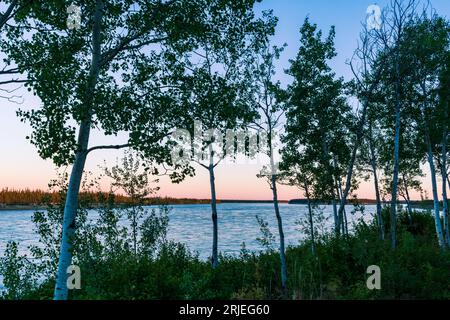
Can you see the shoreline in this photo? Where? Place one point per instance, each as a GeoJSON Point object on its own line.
{"type": "Point", "coordinates": [36, 207]}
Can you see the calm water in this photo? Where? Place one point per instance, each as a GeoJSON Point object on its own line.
{"type": "Point", "coordinates": [191, 224]}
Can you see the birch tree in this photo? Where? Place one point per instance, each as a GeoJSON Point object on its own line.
{"type": "Point", "coordinates": [269, 102]}
{"type": "Point", "coordinates": [444, 107]}
{"type": "Point", "coordinates": [113, 73]}
{"type": "Point", "coordinates": [367, 65]}
{"type": "Point", "coordinates": [426, 43]}
{"type": "Point", "coordinates": [390, 36]}
{"type": "Point", "coordinates": [213, 88]}
{"type": "Point", "coordinates": [410, 156]}
{"type": "Point", "coordinates": [318, 115]}
{"type": "Point", "coordinates": [370, 162]}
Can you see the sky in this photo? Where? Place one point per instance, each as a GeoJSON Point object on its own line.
{"type": "Point", "coordinates": [21, 166]}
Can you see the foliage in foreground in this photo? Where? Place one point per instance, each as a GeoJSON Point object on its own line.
{"type": "Point", "coordinates": [161, 269]}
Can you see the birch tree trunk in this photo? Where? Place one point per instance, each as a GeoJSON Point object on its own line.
{"type": "Point", "coordinates": [444, 185]}
{"type": "Point", "coordinates": [348, 182]}
{"type": "Point", "coordinates": [445, 204]}
{"type": "Point", "coordinates": [408, 200]}
{"type": "Point", "coordinates": [311, 221]}
{"type": "Point", "coordinates": [280, 233]}
{"type": "Point", "coordinates": [70, 208]}
{"type": "Point", "coordinates": [273, 182]}
{"type": "Point", "coordinates": [337, 224]}
{"type": "Point", "coordinates": [393, 226]}
{"type": "Point", "coordinates": [345, 229]}
{"type": "Point", "coordinates": [373, 163]}
{"type": "Point", "coordinates": [437, 216]}
{"type": "Point", "coordinates": [343, 223]}
{"type": "Point", "coordinates": [134, 227]}
{"type": "Point", "coordinates": [215, 255]}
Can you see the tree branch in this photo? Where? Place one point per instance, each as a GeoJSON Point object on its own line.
{"type": "Point", "coordinates": [111, 147]}
{"type": "Point", "coordinates": [126, 41]}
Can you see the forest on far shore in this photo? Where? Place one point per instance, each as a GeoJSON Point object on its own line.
{"type": "Point", "coordinates": [27, 198]}
{"type": "Point", "coordinates": [10, 198]}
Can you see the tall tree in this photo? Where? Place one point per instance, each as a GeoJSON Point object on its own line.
{"type": "Point", "coordinates": [390, 36]}
{"type": "Point", "coordinates": [410, 156]}
{"type": "Point", "coordinates": [213, 86]}
{"type": "Point", "coordinates": [112, 73]}
{"type": "Point", "coordinates": [318, 115]}
{"type": "Point", "coordinates": [367, 65]}
{"type": "Point", "coordinates": [369, 160]}
{"type": "Point", "coordinates": [427, 41]}
{"type": "Point", "coordinates": [269, 102]}
{"type": "Point", "coordinates": [444, 108]}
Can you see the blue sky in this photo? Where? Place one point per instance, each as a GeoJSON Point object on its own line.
{"type": "Point", "coordinates": [345, 15]}
{"type": "Point", "coordinates": [20, 165]}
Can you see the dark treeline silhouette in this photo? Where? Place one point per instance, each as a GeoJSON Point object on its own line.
{"type": "Point", "coordinates": [27, 197]}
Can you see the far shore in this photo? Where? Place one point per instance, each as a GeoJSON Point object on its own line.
{"type": "Point", "coordinates": [177, 202]}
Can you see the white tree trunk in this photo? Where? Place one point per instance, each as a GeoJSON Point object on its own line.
{"type": "Point", "coordinates": [68, 228]}
{"type": "Point", "coordinates": [408, 200]}
{"type": "Point", "coordinates": [444, 187]}
{"type": "Point", "coordinates": [337, 223]}
{"type": "Point", "coordinates": [311, 220]}
{"type": "Point", "coordinates": [348, 181]}
{"type": "Point", "coordinates": [70, 208]}
{"type": "Point", "coordinates": [445, 211]}
{"type": "Point", "coordinates": [373, 163]}
{"type": "Point", "coordinates": [281, 234]}
{"type": "Point", "coordinates": [215, 255]}
{"type": "Point", "coordinates": [437, 216]}
{"type": "Point", "coordinates": [393, 226]}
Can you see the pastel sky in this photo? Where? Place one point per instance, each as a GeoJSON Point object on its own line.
{"type": "Point", "coordinates": [21, 166]}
